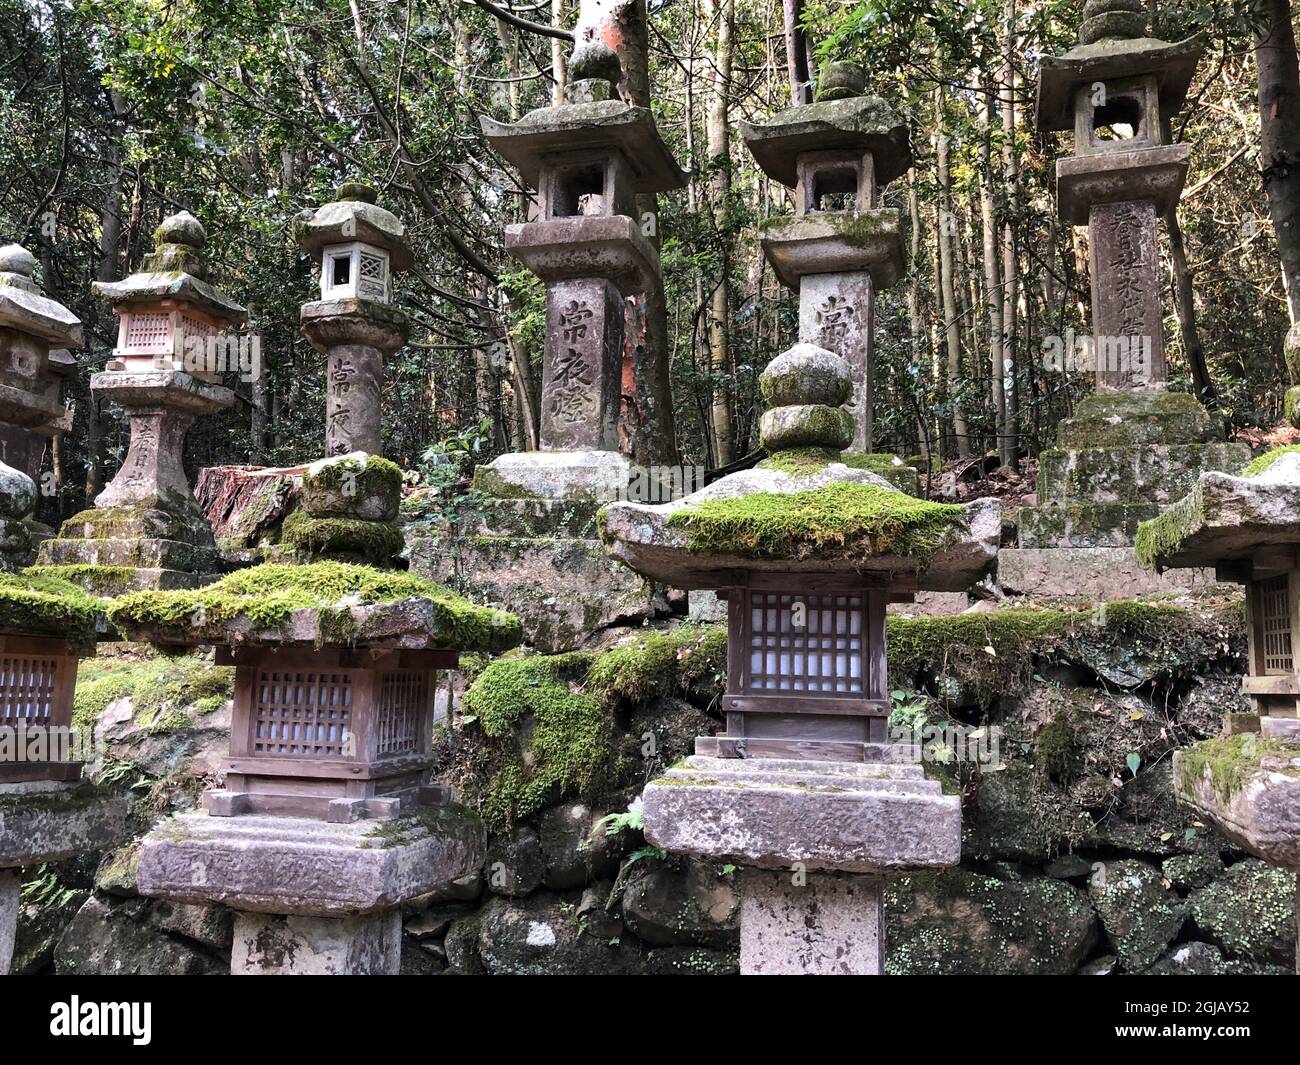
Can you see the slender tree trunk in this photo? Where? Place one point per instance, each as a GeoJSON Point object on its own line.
{"type": "Point", "coordinates": [1008, 432]}
{"type": "Point", "coordinates": [915, 323]}
{"type": "Point", "coordinates": [559, 60]}
{"type": "Point", "coordinates": [1186, 304]}
{"type": "Point", "coordinates": [944, 235]}
{"type": "Point", "coordinates": [796, 54]}
{"type": "Point", "coordinates": [992, 269]}
{"type": "Point", "coordinates": [1279, 135]}
{"type": "Point", "coordinates": [717, 134]}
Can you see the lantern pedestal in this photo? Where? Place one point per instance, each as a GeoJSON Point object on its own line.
{"type": "Point", "coordinates": [147, 518]}
{"type": "Point", "coordinates": [46, 821]}
{"type": "Point", "coordinates": [815, 837]}
{"type": "Point", "coordinates": [313, 897]}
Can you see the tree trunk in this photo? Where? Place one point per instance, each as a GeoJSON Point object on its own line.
{"type": "Point", "coordinates": [1186, 304]}
{"type": "Point", "coordinates": [717, 136]}
{"type": "Point", "coordinates": [992, 268]}
{"type": "Point", "coordinates": [648, 423]}
{"type": "Point", "coordinates": [944, 235]}
{"type": "Point", "coordinates": [1008, 432]}
{"type": "Point", "coordinates": [796, 54]}
{"type": "Point", "coordinates": [1279, 135]}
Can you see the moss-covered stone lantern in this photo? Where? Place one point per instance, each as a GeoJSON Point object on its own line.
{"type": "Point", "coordinates": [841, 245]}
{"type": "Point", "coordinates": [46, 812]}
{"type": "Point", "coordinates": [327, 821]}
{"type": "Point", "coordinates": [164, 372]}
{"type": "Point", "coordinates": [1247, 526]}
{"type": "Point", "coordinates": [802, 788]}
{"type": "Point", "coordinates": [359, 247]}
{"type": "Point", "coordinates": [1131, 446]}
{"type": "Point", "coordinates": [588, 159]}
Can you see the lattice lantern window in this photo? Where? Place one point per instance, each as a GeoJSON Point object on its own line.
{"type": "Point", "coordinates": [168, 335]}
{"type": "Point", "coordinates": [806, 666]}
{"type": "Point", "coordinates": [355, 271]}
{"type": "Point", "coordinates": [1273, 682]}
{"type": "Point", "coordinates": [333, 734]}
{"type": "Point", "coordinates": [38, 678]}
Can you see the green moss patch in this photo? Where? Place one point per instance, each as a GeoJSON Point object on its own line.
{"type": "Point", "coordinates": [1232, 760]}
{"type": "Point", "coordinates": [1160, 537]}
{"type": "Point", "coordinates": [1259, 465]}
{"type": "Point", "coordinates": [375, 476]}
{"type": "Point", "coordinates": [39, 604]}
{"type": "Point", "coordinates": [267, 595]}
{"type": "Point", "coordinates": [164, 691]}
{"type": "Point", "coordinates": [100, 580]}
{"type": "Point", "coordinates": [375, 541]}
{"type": "Point", "coordinates": [847, 521]}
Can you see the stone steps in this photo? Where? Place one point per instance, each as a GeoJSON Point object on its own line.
{"type": "Point", "coordinates": [1151, 473]}
{"type": "Point", "coordinates": [1114, 418]}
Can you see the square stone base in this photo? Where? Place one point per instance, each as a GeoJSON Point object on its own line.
{"type": "Point", "coordinates": [47, 821]}
{"type": "Point", "coordinates": [1102, 573]}
{"type": "Point", "coordinates": [270, 945]}
{"type": "Point", "coordinates": [288, 865]}
{"type": "Point", "coordinates": [598, 476]}
{"type": "Point", "coordinates": [814, 925]}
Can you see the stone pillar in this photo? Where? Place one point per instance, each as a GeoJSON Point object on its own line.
{"type": "Point", "coordinates": [10, 885]}
{"type": "Point", "coordinates": [278, 945]}
{"type": "Point", "coordinates": [830, 925]}
{"type": "Point", "coordinates": [583, 365]}
{"type": "Point", "coordinates": [1124, 260]}
{"type": "Point", "coordinates": [153, 469]}
{"type": "Point", "coordinates": [837, 312]}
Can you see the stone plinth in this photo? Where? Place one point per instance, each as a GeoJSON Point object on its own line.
{"type": "Point", "coordinates": [835, 242]}
{"type": "Point", "coordinates": [578, 248]}
{"type": "Point", "coordinates": [10, 891]}
{"type": "Point", "coordinates": [1124, 258]}
{"type": "Point", "coordinates": [47, 821]}
{"type": "Point", "coordinates": [826, 925]}
{"type": "Point", "coordinates": [271, 945]}
{"type": "Point", "coordinates": [837, 312]}
{"type": "Point", "coordinates": [286, 865]}
{"type": "Point", "coordinates": [771, 813]}
{"type": "Point", "coordinates": [1153, 175]}
{"type": "Point", "coordinates": [356, 336]}
{"type": "Point", "coordinates": [1098, 573]}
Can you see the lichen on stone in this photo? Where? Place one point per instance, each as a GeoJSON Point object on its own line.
{"type": "Point", "coordinates": [842, 520]}
{"type": "Point", "coordinates": [1160, 537]}
{"type": "Point", "coordinates": [1259, 465]}
{"type": "Point", "coordinates": [1230, 761]}
{"type": "Point", "coordinates": [44, 605]}
{"type": "Point", "coordinates": [99, 579]}
{"type": "Point", "coordinates": [267, 595]}
{"type": "Point", "coordinates": [375, 542]}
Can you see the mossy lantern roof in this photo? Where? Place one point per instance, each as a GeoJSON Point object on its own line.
{"type": "Point", "coordinates": [863, 122]}
{"type": "Point", "coordinates": [1173, 64]}
{"type": "Point", "coordinates": [803, 517]}
{"type": "Point", "coordinates": [324, 603]}
{"type": "Point", "coordinates": [39, 605]}
{"type": "Point", "coordinates": [354, 214]}
{"type": "Point", "coordinates": [602, 125]}
{"type": "Point", "coordinates": [24, 307]}
{"type": "Point", "coordinates": [1227, 518]}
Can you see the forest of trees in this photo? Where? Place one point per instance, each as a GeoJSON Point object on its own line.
{"type": "Point", "coordinates": [116, 113]}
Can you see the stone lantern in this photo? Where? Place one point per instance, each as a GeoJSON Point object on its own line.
{"type": "Point", "coordinates": [1247, 781]}
{"type": "Point", "coordinates": [327, 821]}
{"type": "Point", "coordinates": [173, 334]}
{"type": "Point", "coordinates": [46, 812]}
{"type": "Point", "coordinates": [841, 245]}
{"type": "Point", "coordinates": [588, 159]}
{"type": "Point", "coordinates": [30, 325]}
{"type": "Point", "coordinates": [358, 246]}
{"type": "Point", "coordinates": [1131, 446]}
{"type": "Point", "coordinates": [803, 789]}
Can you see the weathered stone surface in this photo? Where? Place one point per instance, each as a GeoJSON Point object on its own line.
{"type": "Point", "coordinates": [295, 945]}
{"type": "Point", "coordinates": [351, 486]}
{"type": "Point", "coordinates": [1149, 473]}
{"type": "Point", "coordinates": [210, 925]}
{"type": "Point", "coordinates": [1140, 915]}
{"type": "Point", "coordinates": [836, 242]}
{"type": "Point", "coordinates": [118, 871]}
{"type": "Point", "coordinates": [640, 535]}
{"type": "Point", "coordinates": [811, 372]}
{"type": "Point", "coordinates": [681, 903]}
{"type": "Point", "coordinates": [10, 887]}
{"type": "Point", "coordinates": [538, 936]}
{"type": "Point", "coordinates": [583, 476]}
{"type": "Point", "coordinates": [1085, 525]}
{"type": "Point", "coordinates": [514, 863]}
{"type": "Point", "coordinates": [837, 313]}
{"type": "Point", "coordinates": [1249, 913]}
{"type": "Point", "coordinates": [17, 493]}
{"type": "Point", "coordinates": [1102, 573]}
{"type": "Point", "coordinates": [806, 425]}
{"type": "Point", "coordinates": [354, 215]}
{"type": "Point", "coordinates": [196, 742]}
{"type": "Point", "coordinates": [109, 938]}
{"type": "Point", "coordinates": [40, 927]}
{"type": "Point", "coordinates": [43, 823]}
{"type": "Point", "coordinates": [772, 812]}
{"type": "Point", "coordinates": [1187, 872]}
{"type": "Point", "coordinates": [1124, 255]}
{"type": "Point", "coordinates": [828, 926]}
{"type": "Point", "coordinates": [1146, 177]}
{"type": "Point", "coordinates": [286, 865]}
{"type": "Point", "coordinates": [962, 923]}
{"type": "Point", "coordinates": [582, 247]}
{"type": "Point", "coordinates": [576, 849]}
{"type": "Point", "coordinates": [1119, 419]}
{"type": "Point", "coordinates": [25, 309]}
{"type": "Point", "coordinates": [582, 372]}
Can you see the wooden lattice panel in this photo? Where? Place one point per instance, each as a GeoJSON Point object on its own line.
{"type": "Point", "coordinates": [403, 700]}
{"type": "Point", "coordinates": [824, 655]}
{"type": "Point", "coordinates": [27, 690]}
{"type": "Point", "coordinates": [1275, 623]}
{"type": "Point", "coordinates": [149, 332]}
{"type": "Point", "coordinates": [303, 714]}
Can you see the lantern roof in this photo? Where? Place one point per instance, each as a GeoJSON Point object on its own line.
{"type": "Point", "coordinates": [26, 308]}
{"type": "Point", "coordinates": [177, 269]}
{"type": "Point", "coordinates": [808, 509]}
{"type": "Point", "coordinates": [353, 215]}
{"type": "Point", "coordinates": [1173, 65]}
{"type": "Point", "coordinates": [834, 122]}
{"type": "Point", "coordinates": [1227, 518]}
{"type": "Point", "coordinates": [316, 604]}
{"type": "Point", "coordinates": [33, 603]}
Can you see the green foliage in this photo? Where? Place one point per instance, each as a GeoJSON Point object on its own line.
{"type": "Point", "coordinates": [155, 684]}
{"type": "Point", "coordinates": [1160, 537]}
{"type": "Point", "coordinates": [843, 520]}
